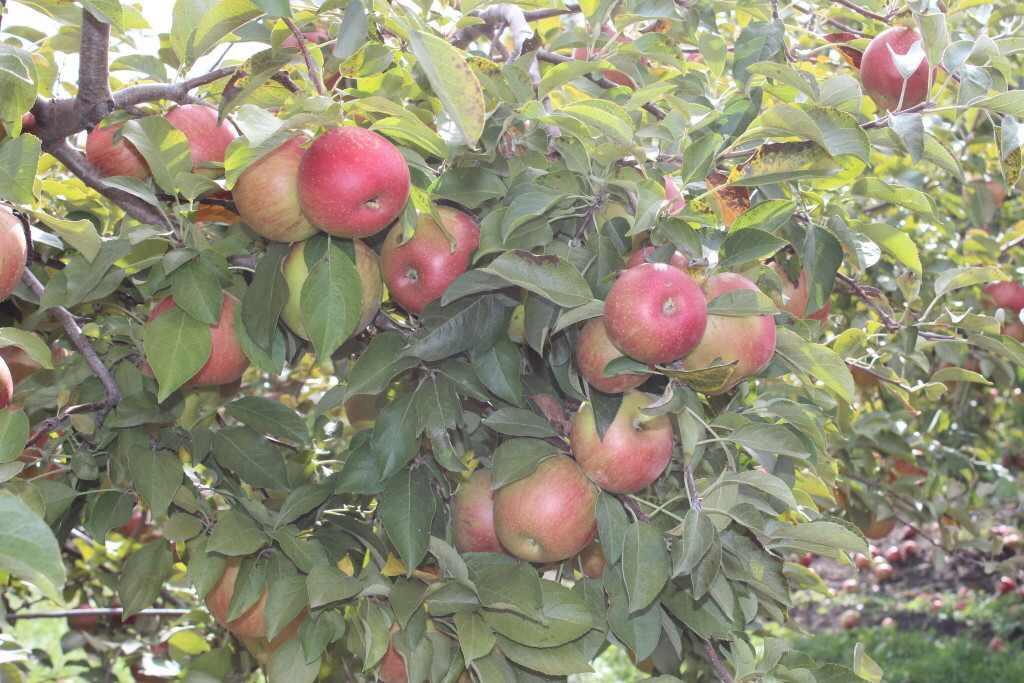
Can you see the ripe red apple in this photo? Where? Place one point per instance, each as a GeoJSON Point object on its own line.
{"type": "Point", "coordinates": [420, 270]}
{"type": "Point", "coordinates": [795, 295]}
{"type": "Point", "coordinates": [937, 605]}
{"type": "Point", "coordinates": [807, 559]}
{"type": "Point", "coordinates": [849, 619]}
{"type": "Point", "coordinates": [883, 572]}
{"type": "Point", "coordinates": [227, 362]}
{"type": "Point", "coordinates": [852, 55]}
{"type": "Point", "coordinates": [655, 313]}
{"type": "Point", "coordinates": [13, 252]}
{"type": "Point", "coordinates": [548, 516]}
{"type": "Point", "coordinates": [473, 515]}
{"type": "Point", "coordinates": [296, 271]}
{"type": "Point", "coordinates": [252, 623]}
{"type": "Point", "coordinates": [267, 194]}
{"type": "Point", "coordinates": [997, 644]}
{"type": "Point", "coordinates": [862, 562]}
{"type": "Point", "coordinates": [643, 254]}
{"type": "Point", "coordinates": [635, 449]}
{"type": "Point", "coordinates": [593, 561]}
{"type": "Point", "coordinates": [888, 622]}
{"type": "Point", "coordinates": [208, 140]}
{"type": "Point", "coordinates": [893, 555]}
{"type": "Point", "coordinates": [135, 525]}
{"type": "Point", "coordinates": [6, 385]}
{"type": "Point", "coordinates": [392, 666]}
{"type": "Point", "coordinates": [873, 549]}
{"type": "Point", "coordinates": [879, 528]}
{"type": "Point", "coordinates": [850, 586]}
{"type": "Point", "coordinates": [749, 340]}
{"type": "Point", "coordinates": [594, 350]}
{"type": "Point", "coordinates": [1008, 295]}
{"type": "Point", "coordinates": [731, 201]}
{"type": "Point", "coordinates": [352, 182]}
{"type": "Point", "coordinates": [112, 158]}
{"type": "Point", "coordinates": [84, 622]}
{"type": "Point", "coordinates": [909, 549]}
{"type": "Point", "coordinates": [908, 533]}
{"type": "Point", "coordinates": [882, 80]}
{"type": "Point", "coordinates": [1005, 585]}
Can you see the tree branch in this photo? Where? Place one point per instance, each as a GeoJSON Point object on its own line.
{"type": "Point", "coordinates": [861, 293]}
{"type": "Point", "coordinates": [92, 359]}
{"type": "Point", "coordinates": [716, 663]}
{"type": "Point", "coordinates": [538, 14]}
{"type": "Point", "coordinates": [135, 207]}
{"type": "Point", "coordinates": [176, 92]}
{"type": "Point", "coordinates": [96, 612]}
{"type": "Point", "coordinates": [555, 58]}
{"type": "Point", "coordinates": [93, 68]}
{"type": "Point", "coordinates": [311, 65]}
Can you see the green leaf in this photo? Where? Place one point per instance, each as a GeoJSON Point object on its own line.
{"type": "Point", "coordinates": [748, 245]}
{"type": "Point", "coordinates": [548, 276]}
{"type": "Point", "coordinates": [29, 342]}
{"type": "Point", "coordinates": [835, 131]}
{"type": "Point", "coordinates": [331, 300]}
{"type": "Point", "coordinates": [697, 537]}
{"type": "Point", "coordinates": [326, 584]}
{"type": "Point", "coordinates": [737, 303]}
{"type": "Point", "coordinates": [894, 242]}
{"type": "Point", "coordinates": [758, 42]}
{"type": "Point", "coordinates": [289, 664]}
{"type": "Point", "coordinates": [164, 147]}
{"type": "Point", "coordinates": [407, 509]}
{"type": "Point", "coordinates": [469, 324]}
{"type": "Point", "coordinates": [475, 637]}
{"type": "Point", "coordinates": [249, 455]}
{"type": "Point", "coordinates": [265, 298]}
{"type": "Point", "coordinates": [269, 417]}
{"type": "Point", "coordinates": [560, 74]}
{"type": "Point", "coordinates": [563, 660]}
{"type": "Point", "coordinates": [604, 117]}
{"type": "Point", "coordinates": [395, 433]}
{"type": "Point", "coordinates": [222, 19]}
{"type": "Point", "coordinates": [196, 290]}
{"type": "Point", "coordinates": [379, 363]}
{"type": "Point", "coordinates": [968, 276]}
{"type": "Point", "coordinates": [821, 537]}
{"type": "Point", "coordinates": [519, 422]}
{"type": "Point", "coordinates": [611, 526]}
{"type": "Point", "coordinates": [156, 475]}
{"type": "Point", "coordinates": [286, 598]}
{"type": "Point", "coordinates": [79, 234]}
{"type": "Point", "coordinates": [28, 549]}
{"type": "Point", "coordinates": [274, 8]}
{"type": "Point", "coordinates": [301, 501]}
{"type": "Point", "coordinates": [19, 159]}
{"type": "Point", "coordinates": [516, 459]}
{"type": "Point", "coordinates": [177, 346]}
{"type": "Point", "coordinates": [499, 369]}
{"type": "Point", "coordinates": [453, 82]}
{"type": "Point", "coordinates": [865, 667]}
{"type": "Point", "coordinates": [900, 195]}
{"type": "Point", "coordinates": [235, 534]}
{"type": "Point", "coordinates": [816, 360]}
{"type": "Point", "coordinates": [14, 432]}
{"type": "Point", "coordinates": [18, 85]}
{"type": "Point", "coordinates": [353, 32]}
{"type": "Point", "coordinates": [143, 575]}
{"type": "Point", "coordinates": [565, 618]}
{"type": "Point", "coordinates": [645, 564]}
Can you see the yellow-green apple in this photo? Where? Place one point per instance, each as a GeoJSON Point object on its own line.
{"type": "Point", "coordinates": [13, 252]}
{"type": "Point", "coordinates": [1008, 295]}
{"type": "Point", "coordinates": [252, 623]}
{"type": "Point", "coordinates": [352, 182]}
{"type": "Point", "coordinates": [114, 158]}
{"type": "Point", "coordinates": [634, 451]}
{"type": "Point", "coordinates": [420, 270]}
{"type": "Point", "coordinates": [747, 340]}
{"type": "Point", "coordinates": [795, 296]}
{"type": "Point", "coordinates": [729, 201]}
{"type": "Point", "coordinates": [655, 313]}
{"type": "Point", "coordinates": [267, 194]}
{"type": "Point", "coordinates": [548, 516]}
{"type": "Point", "coordinates": [592, 561]}
{"type": "Point", "coordinates": [880, 76]}
{"type": "Point", "coordinates": [296, 270]}
{"type": "Point", "coordinates": [594, 350]}
{"type": "Point", "coordinates": [208, 139]}
{"type": "Point", "coordinates": [473, 515]}
{"type": "Point", "coordinates": [227, 361]}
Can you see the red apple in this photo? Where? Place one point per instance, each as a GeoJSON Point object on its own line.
{"type": "Point", "coordinates": [548, 516]}
{"type": "Point", "coordinates": [850, 586]}
{"type": "Point", "coordinates": [473, 516]}
{"type": "Point", "coordinates": [296, 271]}
{"type": "Point", "coordinates": [675, 202]}
{"type": "Point", "coordinates": [997, 644]}
{"type": "Point", "coordinates": [882, 80]}
{"type": "Point", "coordinates": [135, 525]}
{"type": "Point", "coordinates": [1008, 295]}
{"type": "Point", "coordinates": [13, 252]}
{"type": "Point", "coordinates": [1014, 330]}
{"type": "Point", "coordinates": [731, 201]}
{"type": "Point", "coordinates": [352, 182]}
{"type": "Point", "coordinates": [937, 605]}
{"type": "Point", "coordinates": [1005, 585]}
{"type": "Point", "coordinates": [909, 549]}
{"type": "Point", "coordinates": [112, 158]}
{"type": "Point", "coordinates": [392, 666]}
{"type": "Point", "coordinates": [594, 350]}
{"type": "Point", "coordinates": [893, 555]}
{"type": "Point", "coordinates": [748, 340]}
{"type": "Point", "coordinates": [643, 255]}
{"type": "Point", "coordinates": [208, 139]}
{"type": "Point", "coordinates": [420, 270]}
{"type": "Point", "coordinates": [6, 385]}
{"type": "Point", "coordinates": [635, 449]}
{"type": "Point", "coordinates": [227, 362]}
{"type": "Point", "coordinates": [252, 623]}
{"type": "Point", "coordinates": [883, 572]}
{"type": "Point", "coordinates": [852, 55]}
{"type": "Point", "coordinates": [655, 313]}
{"type": "Point", "coordinates": [593, 561]}
{"type": "Point", "coordinates": [888, 622]}
{"type": "Point", "coordinates": [795, 296]}
{"type": "Point", "coordinates": [862, 562]}
{"type": "Point", "coordinates": [614, 75]}
{"type": "Point", "coordinates": [84, 622]}
{"type": "Point", "coordinates": [849, 619]}
{"type": "Point", "coordinates": [807, 559]}
{"type": "Point", "coordinates": [267, 194]}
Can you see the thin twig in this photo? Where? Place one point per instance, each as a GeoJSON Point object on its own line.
{"type": "Point", "coordinates": [538, 14]}
{"type": "Point", "coordinates": [716, 663]}
{"type": "Point", "coordinates": [97, 612]}
{"type": "Point", "coordinates": [311, 65]}
{"type": "Point", "coordinates": [92, 359]}
{"type": "Point", "coordinates": [696, 504]}
{"type": "Point", "coordinates": [862, 293]}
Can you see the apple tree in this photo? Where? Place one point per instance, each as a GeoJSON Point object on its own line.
{"type": "Point", "coordinates": [458, 341]}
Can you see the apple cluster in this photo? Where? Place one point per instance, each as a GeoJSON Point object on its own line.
{"type": "Point", "coordinates": [13, 256]}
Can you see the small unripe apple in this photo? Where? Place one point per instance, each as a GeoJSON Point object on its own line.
{"type": "Point", "coordinates": [227, 362]}
{"type": "Point", "coordinates": [748, 340]}
{"type": "Point", "coordinates": [352, 182]}
{"type": "Point", "coordinates": [208, 139]}
{"type": "Point", "coordinates": [655, 313]}
{"type": "Point", "coordinates": [593, 561]}
{"type": "Point", "coordinates": [882, 80]}
{"type": "Point", "coordinates": [634, 451]}
{"type": "Point", "coordinates": [849, 619]}
{"type": "Point", "coordinates": [296, 271]}
{"type": "Point", "coordinates": [419, 271]}
{"type": "Point", "coordinates": [1008, 295]}
{"type": "Point", "coordinates": [862, 562]}
{"type": "Point", "coordinates": [111, 158]}
{"type": "Point", "coordinates": [594, 350]}
{"type": "Point", "coordinates": [548, 516]}
{"type": "Point", "coordinates": [893, 555]}
{"type": "Point", "coordinates": [795, 296]}
{"type": "Point", "coordinates": [13, 252]}
{"type": "Point", "coordinates": [882, 572]}
{"type": "Point", "coordinates": [1005, 585]}
{"type": "Point", "coordinates": [473, 516]}
{"type": "Point", "coordinates": [730, 201]}
{"type": "Point", "coordinates": [267, 194]}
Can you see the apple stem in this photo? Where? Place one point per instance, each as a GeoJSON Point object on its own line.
{"type": "Point", "coordinates": [311, 65]}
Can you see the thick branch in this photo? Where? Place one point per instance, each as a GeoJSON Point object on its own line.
{"type": "Point", "coordinates": [176, 92]}
{"type": "Point", "coordinates": [311, 65]}
{"type": "Point", "coordinates": [538, 14]}
{"type": "Point", "coordinates": [135, 207]}
{"type": "Point", "coordinates": [74, 333]}
{"type": "Point", "coordinates": [93, 68]}
{"type": "Point", "coordinates": [555, 58]}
